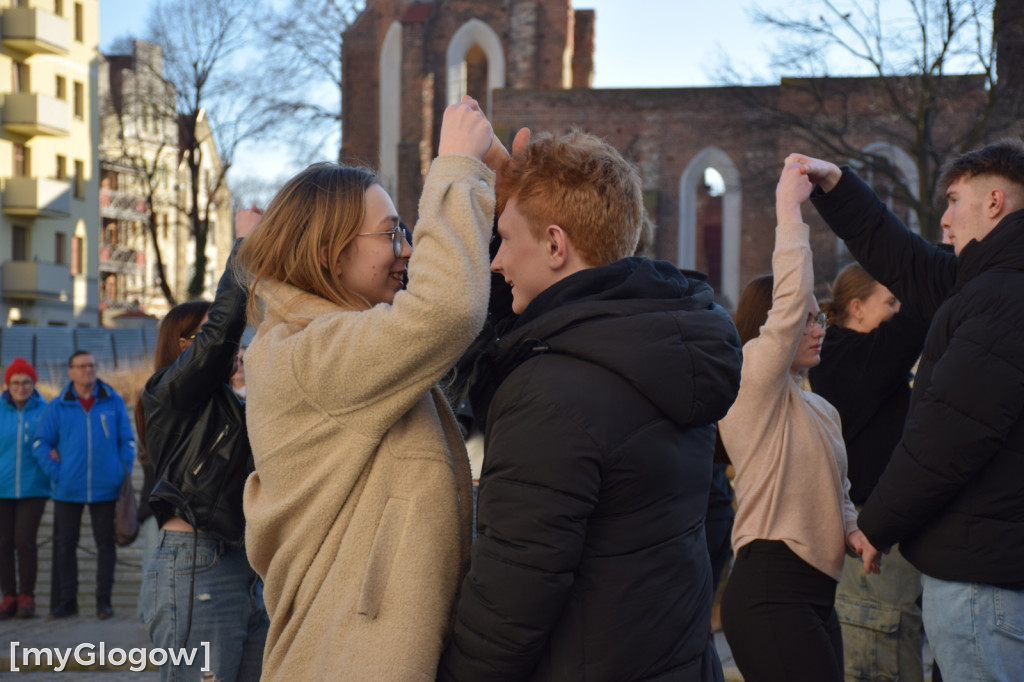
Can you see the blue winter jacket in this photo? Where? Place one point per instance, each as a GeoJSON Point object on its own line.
{"type": "Point", "coordinates": [95, 447]}
{"type": "Point", "coordinates": [20, 475]}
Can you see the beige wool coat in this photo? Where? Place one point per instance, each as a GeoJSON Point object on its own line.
{"type": "Point", "coordinates": [785, 443]}
{"type": "Point", "coordinates": [358, 512]}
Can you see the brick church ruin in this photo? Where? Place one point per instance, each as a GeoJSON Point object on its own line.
{"type": "Point", "coordinates": [530, 63]}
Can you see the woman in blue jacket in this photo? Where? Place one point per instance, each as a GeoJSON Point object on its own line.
{"type": "Point", "coordinates": [24, 488]}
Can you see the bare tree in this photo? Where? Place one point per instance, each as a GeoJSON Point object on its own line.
{"type": "Point", "coordinates": [304, 59]}
{"type": "Point", "coordinates": [140, 110]}
{"type": "Point", "coordinates": [928, 62]}
{"type": "Point", "coordinates": [209, 52]}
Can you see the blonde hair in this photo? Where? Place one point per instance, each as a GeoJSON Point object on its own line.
{"type": "Point", "coordinates": [309, 222]}
{"type": "Point", "coordinates": [852, 283]}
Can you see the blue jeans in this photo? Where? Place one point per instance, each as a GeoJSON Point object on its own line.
{"type": "Point", "coordinates": [227, 609]}
{"type": "Point", "coordinates": [975, 630]}
{"type": "Point", "coordinates": [881, 620]}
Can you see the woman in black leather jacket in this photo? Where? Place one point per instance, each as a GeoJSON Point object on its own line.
{"type": "Point", "coordinates": [195, 436]}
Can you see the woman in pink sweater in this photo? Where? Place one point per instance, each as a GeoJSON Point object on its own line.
{"type": "Point", "coordinates": [794, 518]}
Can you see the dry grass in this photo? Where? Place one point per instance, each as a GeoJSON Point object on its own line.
{"type": "Point", "coordinates": [128, 381]}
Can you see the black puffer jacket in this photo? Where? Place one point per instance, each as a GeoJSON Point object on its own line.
{"type": "Point", "coordinates": [866, 376]}
{"type": "Point", "coordinates": [195, 424]}
{"type": "Point", "coordinates": [953, 493]}
{"type": "Point", "coordinates": [591, 562]}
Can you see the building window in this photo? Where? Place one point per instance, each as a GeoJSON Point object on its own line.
{"type": "Point", "coordinates": [79, 100]}
{"type": "Point", "coordinates": [62, 167]}
{"type": "Point", "coordinates": [58, 7]}
{"type": "Point", "coordinates": [60, 248]}
{"type": "Point", "coordinates": [76, 255]}
{"type": "Point", "coordinates": [19, 243]}
{"type": "Point", "coordinates": [19, 77]}
{"type": "Point", "coordinates": [79, 179]}
{"type": "Point", "coordinates": [79, 22]}
{"type": "Point", "coordinates": [21, 167]}
{"type": "Point", "coordinates": [62, 88]}
{"type": "Point", "coordinates": [163, 221]}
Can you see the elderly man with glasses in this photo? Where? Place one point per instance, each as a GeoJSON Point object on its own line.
{"type": "Point", "coordinates": [85, 444]}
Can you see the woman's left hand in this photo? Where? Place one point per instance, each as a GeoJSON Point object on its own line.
{"type": "Point", "coordinates": [871, 557]}
{"type": "Point", "coordinates": [794, 188]}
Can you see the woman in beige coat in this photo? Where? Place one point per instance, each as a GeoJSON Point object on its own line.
{"type": "Point", "coordinates": [358, 512]}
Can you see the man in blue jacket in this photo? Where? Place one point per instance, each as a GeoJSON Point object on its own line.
{"type": "Point", "coordinates": [85, 444]}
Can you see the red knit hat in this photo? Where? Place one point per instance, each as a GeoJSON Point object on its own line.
{"type": "Point", "coordinates": [19, 366]}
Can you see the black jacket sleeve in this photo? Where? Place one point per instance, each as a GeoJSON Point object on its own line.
{"type": "Point", "coordinates": [540, 484]}
{"type": "Point", "coordinates": [917, 272]}
{"type": "Point", "coordinates": [961, 422]}
{"type": "Point", "coordinates": [208, 361]}
{"type": "Point", "coordinates": [858, 370]}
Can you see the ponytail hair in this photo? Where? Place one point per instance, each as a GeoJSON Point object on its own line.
{"type": "Point", "coordinates": [852, 282]}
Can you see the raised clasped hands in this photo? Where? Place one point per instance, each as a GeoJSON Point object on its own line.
{"type": "Point", "coordinates": [793, 189]}
{"type": "Point", "coordinates": [824, 174]}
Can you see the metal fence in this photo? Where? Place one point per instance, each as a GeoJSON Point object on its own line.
{"type": "Point", "coordinates": [48, 348]}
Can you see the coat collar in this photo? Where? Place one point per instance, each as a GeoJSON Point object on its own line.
{"type": "Point", "coordinates": [31, 399]}
{"type": "Point", "coordinates": [1003, 247]}
{"type": "Point", "coordinates": [102, 391]}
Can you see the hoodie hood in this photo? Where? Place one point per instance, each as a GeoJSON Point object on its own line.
{"type": "Point", "coordinates": [656, 327]}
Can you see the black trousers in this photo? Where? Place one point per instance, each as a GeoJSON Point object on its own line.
{"type": "Point", "coordinates": [67, 520]}
{"type": "Point", "coordinates": [779, 617]}
{"type": "Point", "coordinates": [19, 526]}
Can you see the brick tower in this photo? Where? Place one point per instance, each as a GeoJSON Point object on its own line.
{"type": "Point", "coordinates": [404, 62]}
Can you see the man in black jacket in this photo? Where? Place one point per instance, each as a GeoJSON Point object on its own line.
{"type": "Point", "coordinates": [953, 492]}
{"type": "Point", "coordinates": [600, 401]}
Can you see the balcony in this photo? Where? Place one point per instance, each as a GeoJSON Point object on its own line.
{"type": "Point", "coordinates": [29, 113]}
{"type": "Point", "coordinates": [29, 280]}
{"type": "Point", "coordinates": [35, 31]}
{"type": "Point", "coordinates": [39, 197]}
{"type": "Point", "coordinates": [122, 205]}
{"type": "Point", "coordinates": [122, 259]}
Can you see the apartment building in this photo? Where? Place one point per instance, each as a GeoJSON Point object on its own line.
{"type": "Point", "coordinates": [49, 53]}
{"type": "Point", "coordinates": [147, 249]}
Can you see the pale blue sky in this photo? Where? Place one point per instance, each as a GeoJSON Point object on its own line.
{"type": "Point", "coordinates": [639, 43]}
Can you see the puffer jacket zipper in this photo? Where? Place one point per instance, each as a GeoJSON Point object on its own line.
{"type": "Point", "coordinates": [17, 456]}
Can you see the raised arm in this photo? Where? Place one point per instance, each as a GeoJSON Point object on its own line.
{"type": "Point", "coordinates": [424, 331]}
{"type": "Point", "coordinates": [209, 360]}
{"type": "Point", "coordinates": [917, 272]}
{"type": "Point", "coordinates": [768, 358]}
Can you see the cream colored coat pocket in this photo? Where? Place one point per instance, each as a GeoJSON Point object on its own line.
{"type": "Point", "coordinates": [382, 557]}
{"type": "Point", "coordinates": [419, 434]}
